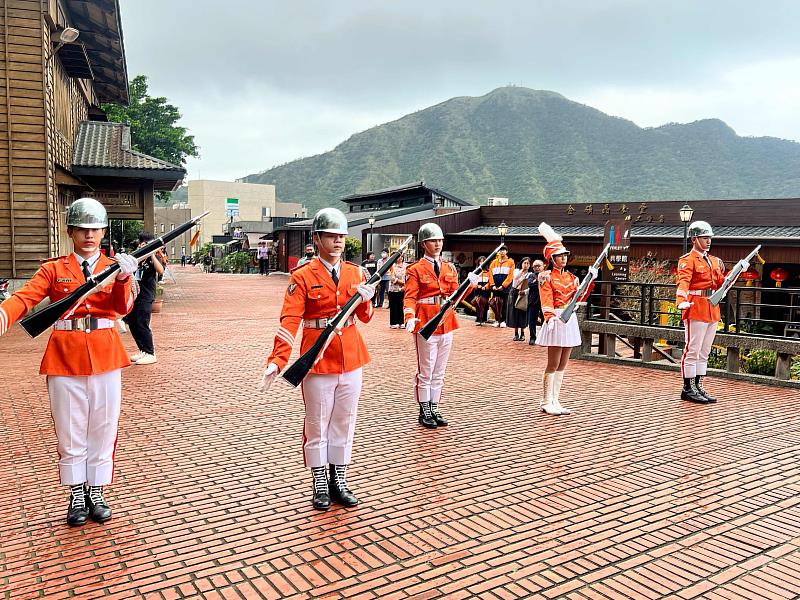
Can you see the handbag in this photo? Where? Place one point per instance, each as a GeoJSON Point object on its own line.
{"type": "Point", "coordinates": [522, 300]}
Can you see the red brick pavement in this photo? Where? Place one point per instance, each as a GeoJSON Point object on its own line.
{"type": "Point", "coordinates": [635, 495]}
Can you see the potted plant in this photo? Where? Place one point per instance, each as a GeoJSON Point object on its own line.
{"type": "Point", "coordinates": [159, 301]}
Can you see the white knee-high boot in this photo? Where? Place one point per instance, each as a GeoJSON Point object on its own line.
{"type": "Point", "coordinates": [558, 379]}
{"type": "Point", "coordinates": [546, 403]}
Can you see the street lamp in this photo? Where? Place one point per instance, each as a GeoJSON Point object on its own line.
{"type": "Point", "coordinates": [371, 222]}
{"type": "Point", "coordinates": [686, 213]}
{"type": "Point", "coordinates": [502, 229]}
{"type": "Point", "coordinates": [66, 36]}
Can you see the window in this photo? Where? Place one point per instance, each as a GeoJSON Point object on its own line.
{"type": "Point", "coordinates": [183, 249]}
{"type": "Point", "coordinates": [162, 228]}
{"type": "Point", "coordinates": [173, 249]}
{"type": "Point", "coordinates": [172, 227]}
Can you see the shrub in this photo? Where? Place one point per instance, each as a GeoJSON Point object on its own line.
{"type": "Point", "coordinates": [760, 362]}
{"type": "Point", "coordinates": [236, 262]}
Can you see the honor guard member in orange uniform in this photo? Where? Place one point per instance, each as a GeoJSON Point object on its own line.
{"type": "Point", "coordinates": [699, 275]}
{"type": "Point", "coordinates": [501, 274]}
{"type": "Point", "coordinates": [429, 281]}
{"type": "Point", "coordinates": [317, 291]}
{"type": "Point", "coordinates": [557, 287]}
{"type": "Point", "coordinates": [83, 360]}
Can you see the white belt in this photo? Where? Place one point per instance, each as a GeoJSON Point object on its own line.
{"type": "Point", "coordinates": [83, 324]}
{"type": "Point", "coordinates": [431, 300]}
{"type": "Point", "coordinates": [705, 293]}
{"type": "Point", "coordinates": [323, 323]}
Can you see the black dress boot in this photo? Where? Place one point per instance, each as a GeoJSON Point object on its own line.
{"type": "Point", "coordinates": [77, 513]}
{"type": "Point", "coordinates": [426, 418]}
{"type": "Point", "coordinates": [99, 510]}
{"type": "Point", "coordinates": [691, 393]}
{"type": "Point", "coordinates": [340, 493]}
{"type": "Point", "coordinates": [321, 499]}
{"type": "Point", "coordinates": [698, 384]}
{"type": "Point", "coordinates": [437, 416]}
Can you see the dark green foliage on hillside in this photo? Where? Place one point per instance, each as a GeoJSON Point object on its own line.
{"type": "Point", "coordinates": [537, 146]}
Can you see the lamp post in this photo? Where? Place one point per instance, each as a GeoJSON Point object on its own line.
{"type": "Point", "coordinates": [686, 213]}
{"type": "Point", "coordinates": [371, 222]}
{"type": "Point", "coordinates": [502, 229]}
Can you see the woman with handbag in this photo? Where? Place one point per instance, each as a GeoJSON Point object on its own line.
{"type": "Point", "coordinates": [518, 301]}
{"type": "Point", "coordinates": [397, 282]}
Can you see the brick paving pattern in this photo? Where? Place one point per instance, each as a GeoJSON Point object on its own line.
{"type": "Point", "coordinates": [634, 495]}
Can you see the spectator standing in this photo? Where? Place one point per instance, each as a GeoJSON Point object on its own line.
{"type": "Point", "coordinates": [481, 297]}
{"type": "Point", "coordinates": [183, 260]}
{"type": "Point", "coordinates": [501, 274]}
{"type": "Point", "coordinates": [138, 319]}
{"type": "Point", "coordinates": [534, 302]}
{"type": "Point", "coordinates": [370, 266]}
{"type": "Point", "coordinates": [208, 260]}
{"type": "Point", "coordinates": [308, 256]}
{"type": "Point", "coordinates": [384, 283]}
{"type": "Point", "coordinates": [518, 300]}
{"type": "Point", "coordinates": [397, 282]}
{"type": "Point", "coordinates": [263, 258]}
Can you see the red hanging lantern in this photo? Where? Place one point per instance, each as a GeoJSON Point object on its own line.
{"type": "Point", "coordinates": [673, 270]}
{"type": "Point", "coordinates": [779, 275]}
{"type": "Point", "coordinates": [749, 276]}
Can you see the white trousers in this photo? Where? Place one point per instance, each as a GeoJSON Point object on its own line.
{"type": "Point", "coordinates": [432, 355]}
{"type": "Point", "coordinates": [85, 413]}
{"type": "Point", "coordinates": [699, 337]}
{"type": "Point", "coordinates": [331, 403]}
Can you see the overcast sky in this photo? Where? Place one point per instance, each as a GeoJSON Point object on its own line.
{"type": "Point", "coordinates": [263, 82]}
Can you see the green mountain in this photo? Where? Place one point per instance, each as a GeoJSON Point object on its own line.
{"type": "Point", "coordinates": [537, 146]}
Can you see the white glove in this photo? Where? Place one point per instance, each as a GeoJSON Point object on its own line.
{"type": "Point", "coordinates": [594, 272]}
{"type": "Point", "coordinates": [473, 278]}
{"type": "Point", "coordinates": [411, 325]}
{"type": "Point", "coordinates": [127, 265]}
{"type": "Point", "coordinates": [684, 305]}
{"type": "Point", "coordinates": [268, 377]}
{"type": "Point", "coordinates": [366, 291]}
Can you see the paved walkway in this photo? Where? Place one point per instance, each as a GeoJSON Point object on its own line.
{"type": "Point", "coordinates": [635, 495]}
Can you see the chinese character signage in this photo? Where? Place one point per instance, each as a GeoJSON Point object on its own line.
{"type": "Point", "coordinates": [618, 234]}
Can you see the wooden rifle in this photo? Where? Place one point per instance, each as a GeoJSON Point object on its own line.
{"type": "Point", "coordinates": [431, 326]}
{"type": "Point", "coordinates": [297, 372]}
{"type": "Point", "coordinates": [35, 323]}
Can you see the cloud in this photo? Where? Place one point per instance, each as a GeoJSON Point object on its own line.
{"type": "Point", "coordinates": [261, 82]}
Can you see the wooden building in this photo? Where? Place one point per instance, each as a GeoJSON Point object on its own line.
{"type": "Point", "coordinates": [54, 146]}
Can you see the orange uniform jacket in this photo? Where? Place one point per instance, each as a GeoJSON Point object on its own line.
{"type": "Point", "coordinates": [311, 294]}
{"type": "Point", "coordinates": [421, 282]}
{"type": "Point", "coordinates": [697, 273]}
{"type": "Point", "coordinates": [501, 268]}
{"type": "Point", "coordinates": [557, 290]}
{"type": "Point", "coordinates": [77, 353]}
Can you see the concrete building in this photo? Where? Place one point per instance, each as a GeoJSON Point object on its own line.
{"type": "Point", "coordinates": [168, 218]}
{"type": "Point", "coordinates": [230, 202]}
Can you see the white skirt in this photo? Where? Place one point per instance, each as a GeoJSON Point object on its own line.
{"type": "Point", "coordinates": [557, 333]}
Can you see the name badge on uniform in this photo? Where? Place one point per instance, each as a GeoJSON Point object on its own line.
{"type": "Point", "coordinates": [317, 287]}
{"type": "Point", "coordinates": [63, 280]}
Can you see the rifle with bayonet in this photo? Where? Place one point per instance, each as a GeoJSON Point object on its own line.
{"type": "Point", "coordinates": [587, 281]}
{"type": "Point", "coordinates": [717, 296]}
{"type": "Point", "coordinates": [297, 372]}
{"type": "Point", "coordinates": [35, 323]}
{"type": "Point", "coordinates": [428, 329]}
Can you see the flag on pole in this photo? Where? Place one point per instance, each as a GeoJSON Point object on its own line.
{"type": "Point", "coordinates": [194, 239]}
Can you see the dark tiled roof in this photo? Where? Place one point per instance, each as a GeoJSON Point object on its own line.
{"type": "Point", "coordinates": [652, 231]}
{"type": "Point", "coordinates": [402, 188]}
{"type": "Point", "coordinates": [109, 145]}
{"type": "Point", "coordinates": [353, 217]}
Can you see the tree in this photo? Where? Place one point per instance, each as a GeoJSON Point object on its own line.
{"type": "Point", "coordinates": [153, 124]}
{"type": "Point", "coordinates": [352, 248]}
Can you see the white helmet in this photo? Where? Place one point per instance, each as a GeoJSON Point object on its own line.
{"type": "Point", "coordinates": [700, 228]}
{"type": "Point", "coordinates": [329, 220]}
{"type": "Point", "coordinates": [430, 231]}
{"type": "Point", "coordinates": [87, 213]}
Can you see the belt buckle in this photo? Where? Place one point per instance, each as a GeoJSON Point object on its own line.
{"type": "Point", "coordinates": [84, 323]}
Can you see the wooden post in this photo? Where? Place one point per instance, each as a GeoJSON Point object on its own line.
{"type": "Point", "coordinates": [782, 365]}
{"type": "Point", "coordinates": [611, 345]}
{"type": "Point", "coordinates": [733, 360]}
{"type": "Point", "coordinates": [647, 350]}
